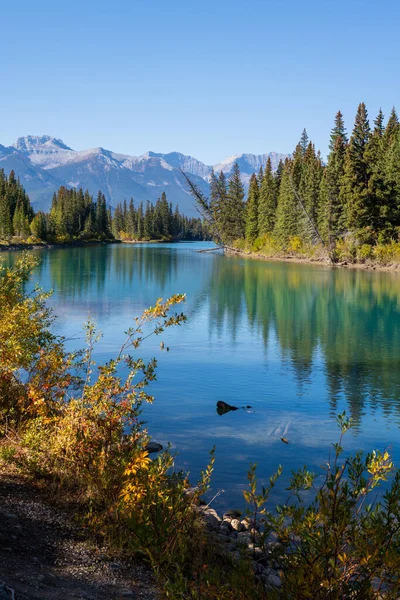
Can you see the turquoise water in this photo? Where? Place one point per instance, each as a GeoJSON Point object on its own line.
{"type": "Point", "coordinates": [299, 343]}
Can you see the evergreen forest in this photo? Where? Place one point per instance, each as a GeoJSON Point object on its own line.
{"type": "Point", "coordinates": [347, 207]}
{"type": "Point", "coordinates": [75, 215]}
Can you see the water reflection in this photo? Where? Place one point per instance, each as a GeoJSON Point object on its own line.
{"type": "Point", "coordinates": [345, 322]}
{"type": "Point", "coordinates": [350, 319]}
{"type": "Point", "coordinates": [298, 343]}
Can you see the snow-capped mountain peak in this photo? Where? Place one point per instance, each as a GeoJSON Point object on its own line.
{"type": "Point", "coordinates": [37, 143]}
{"type": "Point", "coordinates": [44, 163]}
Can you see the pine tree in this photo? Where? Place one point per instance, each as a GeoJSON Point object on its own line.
{"type": "Point", "coordinates": [392, 128]}
{"type": "Point", "coordinates": [267, 201]}
{"type": "Point", "coordinates": [252, 210]}
{"type": "Point", "coordinates": [140, 221]}
{"type": "Point", "coordinates": [260, 176]}
{"type": "Point", "coordinates": [304, 141]}
{"type": "Point", "coordinates": [331, 217]}
{"type": "Point", "coordinates": [392, 182]}
{"type": "Point", "coordinates": [379, 211]}
{"type": "Point", "coordinates": [338, 131]}
{"type": "Point", "coordinates": [234, 209]}
{"type": "Point", "coordinates": [311, 182]}
{"type": "Point", "coordinates": [287, 213]}
{"type": "Point", "coordinates": [354, 189]}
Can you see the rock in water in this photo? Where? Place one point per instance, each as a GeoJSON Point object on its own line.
{"type": "Point", "coordinates": [224, 407]}
{"type": "Point", "coordinates": [284, 440]}
{"type": "Point", "coordinates": [153, 447]}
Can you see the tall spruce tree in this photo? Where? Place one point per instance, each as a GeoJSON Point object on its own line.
{"type": "Point", "coordinates": [252, 210]}
{"type": "Point", "coordinates": [331, 217]}
{"type": "Point", "coordinates": [235, 210]}
{"type": "Point", "coordinates": [287, 213]}
{"type": "Point", "coordinates": [267, 201]}
{"type": "Point", "coordinates": [304, 141]}
{"type": "Point", "coordinates": [354, 190]}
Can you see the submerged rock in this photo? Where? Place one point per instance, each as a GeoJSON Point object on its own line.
{"type": "Point", "coordinates": [153, 447]}
{"type": "Point", "coordinates": [224, 407]}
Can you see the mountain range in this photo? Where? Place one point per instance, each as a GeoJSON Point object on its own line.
{"type": "Point", "coordinates": [44, 163]}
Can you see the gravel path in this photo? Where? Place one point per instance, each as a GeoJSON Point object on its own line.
{"type": "Point", "coordinates": [44, 556]}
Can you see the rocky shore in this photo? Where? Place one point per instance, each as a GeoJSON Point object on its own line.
{"type": "Point", "coordinates": [241, 537]}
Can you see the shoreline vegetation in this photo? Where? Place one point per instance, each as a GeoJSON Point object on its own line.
{"type": "Point", "coordinates": [73, 427]}
{"type": "Point", "coordinates": [75, 216]}
{"type": "Point", "coordinates": [345, 211]}
{"type": "Point", "coordinates": [313, 259]}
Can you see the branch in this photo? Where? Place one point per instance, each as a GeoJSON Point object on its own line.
{"type": "Point", "coordinates": [310, 221]}
{"type": "Point", "coordinates": [203, 207]}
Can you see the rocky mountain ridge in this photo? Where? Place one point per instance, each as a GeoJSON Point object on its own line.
{"type": "Point", "coordinates": [44, 163]}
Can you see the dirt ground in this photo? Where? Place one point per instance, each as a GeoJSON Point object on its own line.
{"type": "Point", "coordinates": [45, 556]}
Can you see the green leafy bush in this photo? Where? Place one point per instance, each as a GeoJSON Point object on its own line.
{"type": "Point", "coordinates": [335, 539]}
{"type": "Point", "coordinates": [364, 252]}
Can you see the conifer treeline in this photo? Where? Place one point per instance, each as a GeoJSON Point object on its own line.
{"type": "Point", "coordinates": [155, 222]}
{"type": "Point", "coordinates": [356, 194]}
{"type": "Point", "coordinates": [16, 212]}
{"type": "Point", "coordinates": [74, 214]}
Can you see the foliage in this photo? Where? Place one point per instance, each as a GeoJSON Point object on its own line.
{"type": "Point", "coordinates": [387, 253]}
{"type": "Point", "coordinates": [155, 222]}
{"type": "Point", "coordinates": [76, 423]}
{"type": "Point", "coordinates": [357, 192]}
{"type": "Point", "coordinates": [335, 539]}
{"type": "Point", "coordinates": [74, 215]}
{"type": "Point", "coordinates": [345, 249]}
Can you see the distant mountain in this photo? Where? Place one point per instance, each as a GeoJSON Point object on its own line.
{"type": "Point", "coordinates": [44, 163]}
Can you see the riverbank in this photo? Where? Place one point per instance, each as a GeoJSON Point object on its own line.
{"type": "Point", "coordinates": [315, 260]}
{"type": "Point", "coordinates": [9, 247]}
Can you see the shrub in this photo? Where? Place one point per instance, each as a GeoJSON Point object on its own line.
{"type": "Point", "coordinates": [364, 252]}
{"type": "Point", "coordinates": [337, 541]}
{"type": "Point", "coordinates": [345, 250]}
{"type": "Point", "coordinates": [266, 245]}
{"type": "Point", "coordinates": [387, 253]}
{"type": "Point", "coordinates": [295, 245]}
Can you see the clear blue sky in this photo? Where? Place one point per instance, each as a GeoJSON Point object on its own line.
{"type": "Point", "coordinates": [206, 78]}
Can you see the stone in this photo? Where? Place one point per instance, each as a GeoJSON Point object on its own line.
{"type": "Point", "coordinates": [243, 538]}
{"type": "Point", "coordinates": [232, 514]}
{"type": "Point", "coordinates": [245, 523]}
{"type": "Point", "coordinates": [225, 529]}
{"type": "Point", "coordinates": [273, 579]}
{"type": "Point", "coordinates": [153, 447]}
{"type": "Point", "coordinates": [257, 568]}
{"type": "Point", "coordinates": [236, 525]}
{"type": "Point", "coordinates": [224, 407]}
{"type": "Point", "coordinates": [211, 518]}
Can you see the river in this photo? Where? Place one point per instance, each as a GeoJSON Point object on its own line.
{"type": "Point", "coordinates": [298, 343]}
